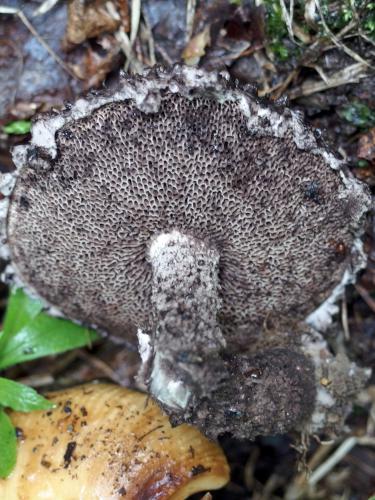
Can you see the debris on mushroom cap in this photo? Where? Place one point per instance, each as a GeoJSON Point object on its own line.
{"type": "Point", "coordinates": [338, 382]}
{"type": "Point", "coordinates": [182, 205]}
{"type": "Point", "coordinates": [103, 441]}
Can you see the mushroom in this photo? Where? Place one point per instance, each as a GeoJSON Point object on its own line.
{"type": "Point", "coordinates": [182, 205]}
{"type": "Point", "coordinates": [104, 441]}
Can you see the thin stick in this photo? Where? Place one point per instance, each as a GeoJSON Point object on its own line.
{"type": "Point", "coordinates": [333, 460]}
{"type": "Point", "coordinates": [135, 18]}
{"type": "Point", "coordinates": [99, 365]}
{"type": "Point", "coordinates": [350, 74]}
{"type": "Point", "coordinates": [358, 23]}
{"type": "Point", "coordinates": [344, 318]}
{"type": "Point", "coordinates": [150, 38]}
{"type": "Point", "coordinates": [30, 27]}
{"type": "Point", "coordinates": [190, 14]}
{"type": "Point", "coordinates": [46, 6]}
{"type": "Point", "coordinates": [366, 297]}
{"type": "Point", "coordinates": [288, 17]}
{"type": "Point", "coordinates": [337, 42]}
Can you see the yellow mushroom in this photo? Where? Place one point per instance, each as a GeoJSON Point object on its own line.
{"type": "Point", "coordinates": [106, 442]}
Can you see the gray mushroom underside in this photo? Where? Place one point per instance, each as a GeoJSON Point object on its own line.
{"type": "Point", "coordinates": [182, 151]}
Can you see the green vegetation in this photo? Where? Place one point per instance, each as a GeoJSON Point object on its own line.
{"type": "Point", "coordinates": [337, 15]}
{"type": "Point", "coordinates": [362, 163]}
{"type": "Point", "coordinates": [276, 29]}
{"type": "Point", "coordinates": [28, 333]}
{"type": "Point", "coordinates": [359, 115]}
{"type": "Point", "coordinates": [17, 127]}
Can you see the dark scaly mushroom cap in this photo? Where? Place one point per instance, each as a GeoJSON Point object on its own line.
{"type": "Point", "coordinates": [180, 162]}
{"type": "Point", "coordinates": [181, 150]}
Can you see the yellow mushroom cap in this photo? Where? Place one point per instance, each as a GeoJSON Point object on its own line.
{"type": "Point", "coordinates": [107, 442]}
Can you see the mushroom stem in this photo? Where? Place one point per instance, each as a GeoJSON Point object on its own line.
{"type": "Point", "coordinates": [185, 299]}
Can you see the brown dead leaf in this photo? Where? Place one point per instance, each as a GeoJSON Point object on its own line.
{"type": "Point", "coordinates": [30, 78]}
{"type": "Point", "coordinates": [366, 174]}
{"type": "Point", "coordinates": [247, 23]}
{"type": "Point", "coordinates": [123, 10]}
{"type": "Point", "coordinates": [236, 31]}
{"type": "Point", "coordinates": [88, 20]}
{"type": "Point", "coordinates": [366, 146]}
{"type": "Point", "coordinates": [97, 61]}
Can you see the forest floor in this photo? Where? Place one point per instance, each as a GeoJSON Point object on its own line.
{"type": "Point", "coordinates": [317, 56]}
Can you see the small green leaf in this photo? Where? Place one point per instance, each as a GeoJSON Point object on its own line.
{"type": "Point", "coordinates": [17, 127]}
{"type": "Point", "coordinates": [362, 163]}
{"type": "Point", "coordinates": [280, 50]}
{"type": "Point", "coordinates": [21, 310]}
{"type": "Point", "coordinates": [19, 397]}
{"type": "Point", "coordinates": [43, 336]}
{"type": "Point", "coordinates": [8, 442]}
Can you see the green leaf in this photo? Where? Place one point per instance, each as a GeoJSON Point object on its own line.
{"type": "Point", "coordinates": [19, 397]}
{"type": "Point", "coordinates": [362, 164]}
{"type": "Point", "coordinates": [275, 24]}
{"type": "Point", "coordinates": [21, 310]}
{"type": "Point", "coordinates": [280, 50]}
{"type": "Point", "coordinates": [8, 442]}
{"type": "Point", "coordinates": [43, 336]}
{"type": "Point", "coordinates": [17, 127]}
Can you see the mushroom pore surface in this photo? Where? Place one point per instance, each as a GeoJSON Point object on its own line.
{"type": "Point", "coordinates": [80, 231]}
{"type": "Point", "coordinates": [258, 221]}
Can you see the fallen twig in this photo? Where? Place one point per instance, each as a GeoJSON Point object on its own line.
{"type": "Point", "coordinates": [134, 19]}
{"type": "Point", "coordinates": [288, 17]}
{"type": "Point", "coordinates": [190, 14]}
{"type": "Point", "coordinates": [366, 296]}
{"type": "Point", "coordinates": [44, 7]}
{"type": "Point", "coordinates": [338, 42]}
{"type": "Point", "coordinates": [19, 13]}
{"type": "Point", "coordinates": [336, 457]}
{"type": "Point", "coordinates": [150, 38]}
{"type": "Point", "coordinates": [344, 318]}
{"type": "Point", "coordinates": [351, 74]}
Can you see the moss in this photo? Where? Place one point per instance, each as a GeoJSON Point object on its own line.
{"type": "Point", "coordinates": [338, 14]}
{"type": "Point", "coordinates": [276, 29]}
{"type": "Point", "coordinates": [358, 114]}
{"type": "Point", "coordinates": [279, 49]}
{"type": "Point", "coordinates": [368, 23]}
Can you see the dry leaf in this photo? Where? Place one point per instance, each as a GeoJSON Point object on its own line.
{"type": "Point", "coordinates": [195, 49]}
{"type": "Point", "coordinates": [366, 146]}
{"type": "Point", "coordinates": [88, 20]}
